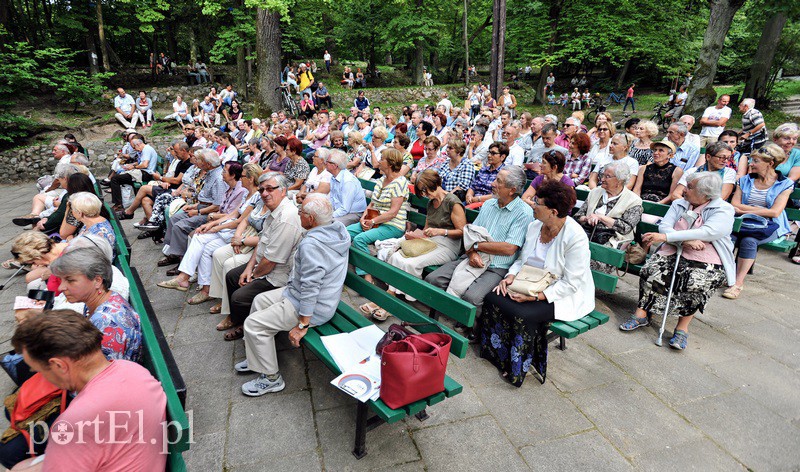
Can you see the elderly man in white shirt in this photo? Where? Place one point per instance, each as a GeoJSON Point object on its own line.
{"type": "Point", "coordinates": [126, 109]}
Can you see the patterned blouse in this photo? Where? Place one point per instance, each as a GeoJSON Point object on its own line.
{"type": "Point", "coordinates": [122, 331]}
{"type": "Point", "coordinates": [102, 229]}
{"type": "Point", "coordinates": [297, 170]}
{"type": "Point", "coordinates": [482, 184]}
{"type": "Point", "coordinates": [460, 177]}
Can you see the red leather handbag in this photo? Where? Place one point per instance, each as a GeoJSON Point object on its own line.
{"type": "Point", "coordinates": [414, 368]}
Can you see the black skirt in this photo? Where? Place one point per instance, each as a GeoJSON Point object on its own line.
{"type": "Point", "coordinates": [513, 336]}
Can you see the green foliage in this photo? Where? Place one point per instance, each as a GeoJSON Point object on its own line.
{"type": "Point", "coordinates": [46, 70]}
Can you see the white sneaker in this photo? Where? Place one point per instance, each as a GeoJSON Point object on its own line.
{"type": "Point", "coordinates": [262, 385]}
{"type": "Point", "coordinates": [242, 367]}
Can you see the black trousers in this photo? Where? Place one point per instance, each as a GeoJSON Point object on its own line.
{"type": "Point", "coordinates": [124, 179]}
{"type": "Point", "coordinates": [241, 298]}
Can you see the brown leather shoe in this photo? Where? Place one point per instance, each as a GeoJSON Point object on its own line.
{"type": "Point", "coordinates": [168, 260]}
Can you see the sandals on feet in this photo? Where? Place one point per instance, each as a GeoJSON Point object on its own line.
{"type": "Point", "coordinates": [198, 298]}
{"type": "Point", "coordinates": [234, 334]}
{"type": "Point", "coordinates": [733, 292]}
{"type": "Point", "coordinates": [216, 309]}
{"type": "Point", "coordinates": [225, 324]}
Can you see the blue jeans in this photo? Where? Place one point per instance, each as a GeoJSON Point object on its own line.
{"type": "Point", "coordinates": [748, 246]}
{"type": "Point", "coordinates": [627, 101]}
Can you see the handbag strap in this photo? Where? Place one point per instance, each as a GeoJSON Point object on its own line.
{"type": "Point", "coordinates": [429, 343]}
{"type": "Point", "coordinates": [415, 359]}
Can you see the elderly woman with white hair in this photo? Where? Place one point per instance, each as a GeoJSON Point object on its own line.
{"type": "Point", "coordinates": [611, 211]}
{"type": "Point", "coordinates": [785, 136]}
{"type": "Point", "coordinates": [45, 203]}
{"type": "Point", "coordinates": [86, 208]}
{"type": "Point", "coordinates": [701, 223]}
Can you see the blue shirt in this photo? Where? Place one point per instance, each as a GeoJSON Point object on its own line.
{"type": "Point", "coordinates": [482, 183]}
{"type": "Point", "coordinates": [151, 156]}
{"type": "Point", "coordinates": [214, 188]}
{"type": "Point", "coordinates": [461, 176]}
{"type": "Point", "coordinates": [322, 90]}
{"type": "Point", "coordinates": [508, 224]}
{"type": "Point", "coordinates": [686, 156]}
{"type": "Point", "coordinates": [346, 194]}
{"type": "Point", "coordinates": [125, 103]}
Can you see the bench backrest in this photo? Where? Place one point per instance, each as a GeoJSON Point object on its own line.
{"type": "Point", "coordinates": [426, 293]}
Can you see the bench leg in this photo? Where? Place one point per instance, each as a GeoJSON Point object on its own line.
{"type": "Point", "coordinates": [422, 415]}
{"type": "Point", "coordinates": [360, 449]}
{"type": "Point", "coordinates": [562, 343]}
{"type": "Point", "coordinates": [433, 314]}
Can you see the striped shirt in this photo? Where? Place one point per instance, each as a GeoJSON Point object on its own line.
{"type": "Point", "coordinates": [758, 198]}
{"type": "Point", "coordinates": [382, 199]}
{"type": "Point", "coordinates": [508, 224]}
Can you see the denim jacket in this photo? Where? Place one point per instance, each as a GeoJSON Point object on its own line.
{"type": "Point", "coordinates": [781, 184]}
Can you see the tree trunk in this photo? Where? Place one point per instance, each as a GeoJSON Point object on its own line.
{"type": "Point", "coordinates": [623, 73]}
{"type": "Point", "coordinates": [92, 53]}
{"type": "Point", "coordinates": [701, 91]}
{"type": "Point", "coordinates": [498, 47]}
{"type": "Point", "coordinates": [169, 34]}
{"type": "Point", "coordinates": [419, 61]}
{"type": "Point", "coordinates": [192, 44]}
{"type": "Point", "coordinates": [466, 43]}
{"type": "Point", "coordinates": [102, 33]}
{"type": "Point", "coordinates": [268, 51]}
{"type": "Point", "coordinates": [553, 15]}
{"type": "Point", "coordinates": [758, 75]}
{"type": "Point", "coordinates": [249, 51]}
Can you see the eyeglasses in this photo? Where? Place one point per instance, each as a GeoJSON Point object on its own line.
{"type": "Point", "coordinates": [494, 153]}
{"type": "Point", "coordinates": [567, 125]}
{"type": "Point", "coordinates": [430, 149]}
{"type": "Point", "coordinates": [603, 129]}
{"type": "Point", "coordinates": [268, 189]}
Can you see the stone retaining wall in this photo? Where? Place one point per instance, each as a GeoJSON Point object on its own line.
{"type": "Point", "coordinates": [30, 163]}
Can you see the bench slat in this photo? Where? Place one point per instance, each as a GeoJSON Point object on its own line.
{"type": "Point", "coordinates": [604, 282]}
{"type": "Point", "coordinates": [599, 316]}
{"type": "Point", "coordinates": [434, 297]}
{"type": "Point", "coordinates": [579, 325]}
{"type": "Point", "coordinates": [563, 329]}
{"type": "Point", "coordinates": [607, 255]}
{"type": "Point", "coordinates": [416, 407]}
{"type": "Point", "coordinates": [590, 321]}
{"type": "Point", "coordinates": [434, 399]}
{"type": "Point", "coordinates": [451, 387]}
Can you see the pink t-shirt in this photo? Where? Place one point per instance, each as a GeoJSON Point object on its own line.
{"type": "Point", "coordinates": [630, 93]}
{"type": "Point", "coordinates": [708, 254]}
{"type": "Point", "coordinates": [113, 424]}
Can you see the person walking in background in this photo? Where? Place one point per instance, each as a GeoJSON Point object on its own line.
{"type": "Point", "coordinates": [629, 99]}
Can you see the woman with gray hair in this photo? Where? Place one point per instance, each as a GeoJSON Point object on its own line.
{"type": "Point", "coordinates": [86, 277]}
{"type": "Point", "coordinates": [701, 223]}
{"type": "Point", "coordinates": [611, 211]}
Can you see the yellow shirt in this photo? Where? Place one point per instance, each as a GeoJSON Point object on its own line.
{"type": "Point", "coordinates": [305, 79]}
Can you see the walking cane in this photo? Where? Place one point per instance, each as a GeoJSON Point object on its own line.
{"type": "Point", "coordinates": [12, 277]}
{"type": "Point", "coordinates": [690, 217]}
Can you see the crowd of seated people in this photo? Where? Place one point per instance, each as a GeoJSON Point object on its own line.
{"type": "Point", "coordinates": [265, 210]}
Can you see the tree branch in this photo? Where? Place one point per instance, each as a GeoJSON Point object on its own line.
{"type": "Point", "coordinates": [486, 23]}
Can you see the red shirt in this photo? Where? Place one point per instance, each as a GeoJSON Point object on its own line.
{"type": "Point", "coordinates": [417, 149]}
{"type": "Point", "coordinates": [630, 92]}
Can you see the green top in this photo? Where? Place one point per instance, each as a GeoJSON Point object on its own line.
{"type": "Point", "coordinates": [440, 217]}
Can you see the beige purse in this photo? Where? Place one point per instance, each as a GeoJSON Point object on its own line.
{"type": "Point", "coordinates": [532, 281]}
{"type": "Point", "coordinates": [249, 231]}
{"type": "Point", "coordinates": [417, 247]}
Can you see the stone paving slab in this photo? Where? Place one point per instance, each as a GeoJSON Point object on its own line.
{"type": "Point", "coordinates": [613, 401]}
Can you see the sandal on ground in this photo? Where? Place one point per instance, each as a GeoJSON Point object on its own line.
{"type": "Point", "coordinates": [795, 259]}
{"type": "Point", "coordinates": [234, 334]}
{"type": "Point", "coordinates": [373, 310]}
{"type": "Point", "coordinates": [216, 309]}
{"type": "Point", "coordinates": [173, 284]}
{"type": "Point", "coordinates": [198, 298]}
{"type": "Point", "coordinates": [733, 292]}
{"type": "Point", "coordinates": [225, 324]}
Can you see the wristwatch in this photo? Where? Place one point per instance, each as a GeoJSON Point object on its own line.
{"type": "Point", "coordinates": [475, 247]}
{"type": "Point", "coordinates": [302, 326]}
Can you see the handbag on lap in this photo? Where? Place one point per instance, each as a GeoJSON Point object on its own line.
{"type": "Point", "coordinates": [532, 281]}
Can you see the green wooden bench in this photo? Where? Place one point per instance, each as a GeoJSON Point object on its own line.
{"type": "Point", "coordinates": [348, 319]}
{"type": "Point", "coordinates": [157, 357]}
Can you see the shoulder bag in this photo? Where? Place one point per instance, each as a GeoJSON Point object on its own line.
{"type": "Point", "coordinates": [532, 281]}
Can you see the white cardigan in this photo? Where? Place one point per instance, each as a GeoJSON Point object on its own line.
{"type": "Point", "coordinates": [568, 259]}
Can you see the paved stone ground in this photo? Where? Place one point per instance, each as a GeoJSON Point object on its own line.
{"type": "Point", "coordinates": [613, 400]}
